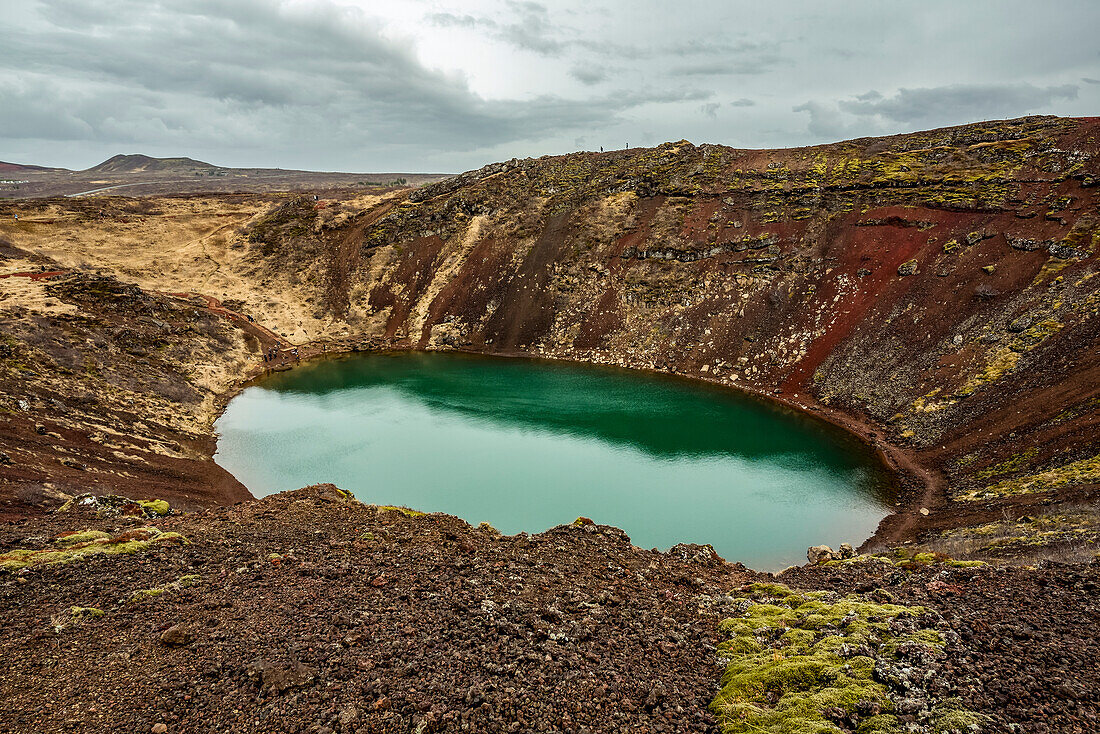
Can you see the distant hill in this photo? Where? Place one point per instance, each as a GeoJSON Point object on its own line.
{"type": "Point", "coordinates": [12, 167]}
{"type": "Point", "coordinates": [143, 175]}
{"type": "Point", "coordinates": [146, 164]}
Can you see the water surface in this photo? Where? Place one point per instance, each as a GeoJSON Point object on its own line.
{"type": "Point", "coordinates": [526, 445]}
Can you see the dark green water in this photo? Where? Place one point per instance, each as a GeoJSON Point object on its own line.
{"type": "Point", "coordinates": [528, 445]}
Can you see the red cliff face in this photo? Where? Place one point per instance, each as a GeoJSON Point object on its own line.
{"type": "Point", "coordinates": [938, 287]}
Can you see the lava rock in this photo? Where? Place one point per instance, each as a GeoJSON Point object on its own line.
{"type": "Point", "coordinates": [280, 677]}
{"type": "Point", "coordinates": [176, 636]}
{"type": "Point", "coordinates": [819, 554]}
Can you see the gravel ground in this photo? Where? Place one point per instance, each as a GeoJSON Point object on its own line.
{"type": "Point", "coordinates": [304, 612]}
{"type": "Point", "coordinates": [310, 613]}
{"type": "Point", "coordinates": [1028, 643]}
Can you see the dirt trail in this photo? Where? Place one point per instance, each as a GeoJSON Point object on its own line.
{"type": "Point", "coordinates": [282, 351]}
{"type": "Point", "coordinates": [35, 276]}
{"type": "Point", "coordinates": [344, 259]}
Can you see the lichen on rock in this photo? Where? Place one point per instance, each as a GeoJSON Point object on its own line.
{"type": "Point", "coordinates": [91, 543]}
{"type": "Point", "coordinates": [813, 662]}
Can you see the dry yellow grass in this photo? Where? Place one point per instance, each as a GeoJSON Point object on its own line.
{"type": "Point", "coordinates": [195, 245]}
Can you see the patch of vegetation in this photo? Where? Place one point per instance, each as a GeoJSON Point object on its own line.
{"type": "Point", "coordinates": [1085, 471]}
{"type": "Point", "coordinates": [144, 594]}
{"type": "Point", "coordinates": [81, 536]}
{"type": "Point", "coordinates": [1000, 364]}
{"type": "Point", "coordinates": [1077, 410]}
{"type": "Point", "coordinates": [1065, 536]}
{"type": "Point", "coordinates": [403, 510]}
{"type": "Point", "coordinates": [798, 662]}
{"type": "Point", "coordinates": [82, 613]}
{"type": "Point", "coordinates": [906, 557]}
{"type": "Point", "coordinates": [1008, 466]}
{"type": "Point", "coordinates": [91, 544]}
{"type": "Point", "coordinates": [183, 582]}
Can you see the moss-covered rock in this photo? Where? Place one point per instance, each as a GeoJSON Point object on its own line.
{"type": "Point", "coordinates": [806, 662]}
{"type": "Point", "coordinates": [154, 508]}
{"type": "Point", "coordinates": [83, 613]}
{"type": "Point", "coordinates": [89, 543]}
{"type": "Point", "coordinates": [909, 267]}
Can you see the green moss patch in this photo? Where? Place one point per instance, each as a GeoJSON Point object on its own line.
{"type": "Point", "coordinates": [906, 557]}
{"type": "Point", "coordinates": [798, 662]}
{"type": "Point", "coordinates": [81, 536]}
{"type": "Point", "coordinates": [1008, 466]}
{"type": "Point", "coordinates": [183, 582]}
{"type": "Point", "coordinates": [71, 547]}
{"type": "Point", "coordinates": [144, 595]}
{"type": "Point", "coordinates": [82, 613]}
{"type": "Point", "coordinates": [403, 510]}
{"type": "Point", "coordinates": [1085, 471]}
{"type": "Point", "coordinates": [158, 508]}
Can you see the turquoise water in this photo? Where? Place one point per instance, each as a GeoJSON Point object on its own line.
{"type": "Point", "coordinates": [526, 445]}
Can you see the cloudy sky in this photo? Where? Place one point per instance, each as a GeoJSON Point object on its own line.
{"type": "Point", "coordinates": [443, 85]}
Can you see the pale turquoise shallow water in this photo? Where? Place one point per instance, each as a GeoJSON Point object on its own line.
{"type": "Point", "coordinates": [527, 445]}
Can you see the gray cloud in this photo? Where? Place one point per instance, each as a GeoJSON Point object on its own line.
{"type": "Point", "coordinates": [452, 84]}
{"type": "Point", "coordinates": [958, 101]}
{"type": "Point", "coordinates": [531, 30]}
{"type": "Point", "coordinates": [872, 113]}
{"type": "Point", "coordinates": [870, 96]}
{"type": "Point", "coordinates": [826, 122]}
{"type": "Point", "coordinates": [261, 71]}
{"type": "Point", "coordinates": [454, 20]}
{"type": "Point", "coordinates": [589, 75]}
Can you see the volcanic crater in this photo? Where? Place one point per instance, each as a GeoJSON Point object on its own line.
{"type": "Point", "coordinates": [935, 294]}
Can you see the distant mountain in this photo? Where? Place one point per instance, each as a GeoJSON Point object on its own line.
{"type": "Point", "coordinates": [13, 167]}
{"type": "Point", "coordinates": [144, 163]}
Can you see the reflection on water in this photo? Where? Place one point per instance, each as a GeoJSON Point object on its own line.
{"type": "Point", "coordinates": [527, 445]}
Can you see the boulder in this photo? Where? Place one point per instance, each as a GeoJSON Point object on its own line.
{"type": "Point", "coordinates": [279, 677]}
{"type": "Point", "coordinates": [1063, 252]}
{"type": "Point", "coordinates": [694, 552]}
{"type": "Point", "coordinates": [845, 551]}
{"type": "Point", "coordinates": [819, 554]}
{"type": "Point", "coordinates": [908, 267]}
{"type": "Point", "coordinates": [1025, 244]}
{"type": "Point", "coordinates": [1022, 323]}
{"type": "Point", "coordinates": [176, 636]}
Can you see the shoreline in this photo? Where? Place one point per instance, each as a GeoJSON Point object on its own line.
{"type": "Point", "coordinates": [910, 485]}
